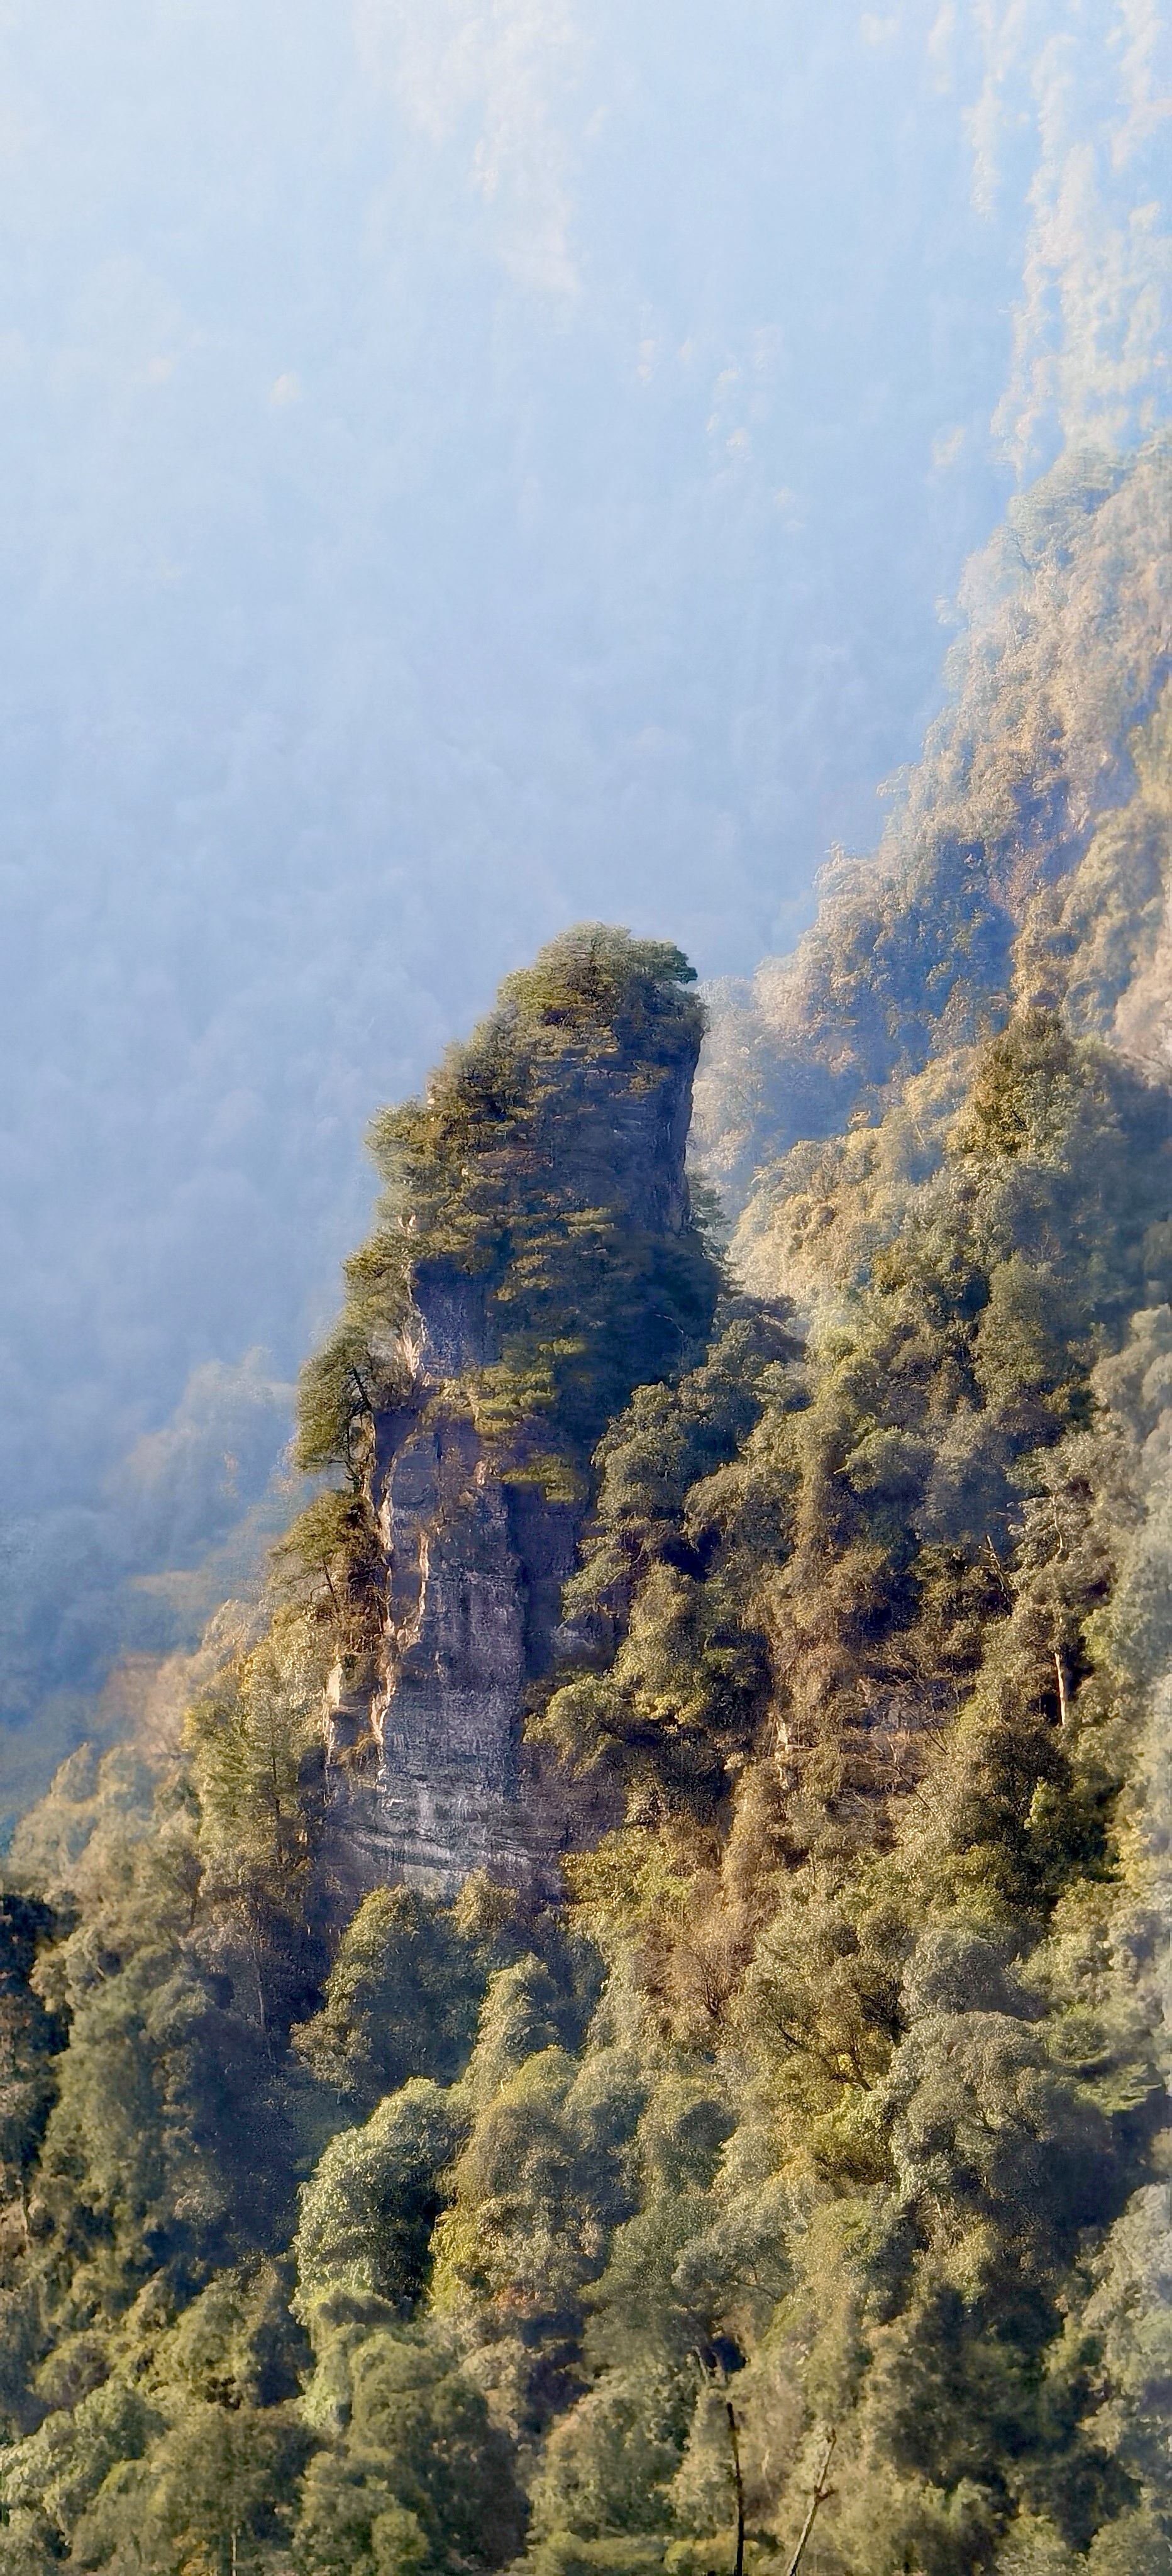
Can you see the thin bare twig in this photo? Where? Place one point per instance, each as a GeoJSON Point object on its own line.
{"type": "Point", "coordinates": [736, 2459]}
{"type": "Point", "coordinates": [819, 2495]}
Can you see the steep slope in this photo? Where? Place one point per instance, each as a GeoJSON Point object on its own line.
{"type": "Point", "coordinates": [1029, 857]}
{"type": "Point", "coordinates": [535, 1257]}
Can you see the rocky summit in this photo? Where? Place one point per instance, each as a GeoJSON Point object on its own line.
{"type": "Point", "coordinates": [536, 1256]}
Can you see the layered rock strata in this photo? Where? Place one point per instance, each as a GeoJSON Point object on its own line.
{"type": "Point", "coordinates": [427, 1773]}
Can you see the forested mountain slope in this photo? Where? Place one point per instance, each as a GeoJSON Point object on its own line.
{"type": "Point", "coordinates": [806, 2166]}
{"type": "Point", "coordinates": [1028, 855]}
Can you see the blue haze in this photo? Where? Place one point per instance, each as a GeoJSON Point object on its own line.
{"type": "Point", "coordinates": [462, 469]}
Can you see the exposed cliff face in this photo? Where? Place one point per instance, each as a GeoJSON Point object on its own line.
{"type": "Point", "coordinates": [474, 1569]}
{"type": "Point", "coordinates": [552, 1264]}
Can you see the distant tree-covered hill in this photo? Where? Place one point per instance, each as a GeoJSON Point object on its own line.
{"type": "Point", "coordinates": [1028, 857]}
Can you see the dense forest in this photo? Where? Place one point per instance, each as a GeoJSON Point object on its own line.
{"type": "Point", "coordinates": [788, 2180]}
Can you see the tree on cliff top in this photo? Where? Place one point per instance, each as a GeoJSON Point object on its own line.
{"type": "Point", "coordinates": [542, 1172]}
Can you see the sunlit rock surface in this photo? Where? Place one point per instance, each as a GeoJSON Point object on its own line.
{"type": "Point", "coordinates": [426, 1771]}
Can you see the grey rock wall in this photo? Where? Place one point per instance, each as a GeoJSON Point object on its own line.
{"type": "Point", "coordinates": [427, 1776]}
{"type": "Point", "coordinates": [475, 1571]}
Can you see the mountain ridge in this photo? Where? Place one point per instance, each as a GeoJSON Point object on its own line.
{"type": "Point", "coordinates": [1027, 857]}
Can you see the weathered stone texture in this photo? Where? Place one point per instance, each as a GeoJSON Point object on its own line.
{"type": "Point", "coordinates": [426, 1771]}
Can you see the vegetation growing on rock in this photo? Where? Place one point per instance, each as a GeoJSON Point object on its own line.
{"type": "Point", "coordinates": [524, 1184]}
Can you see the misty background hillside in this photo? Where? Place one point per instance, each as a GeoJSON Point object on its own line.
{"type": "Point", "coordinates": [464, 471]}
